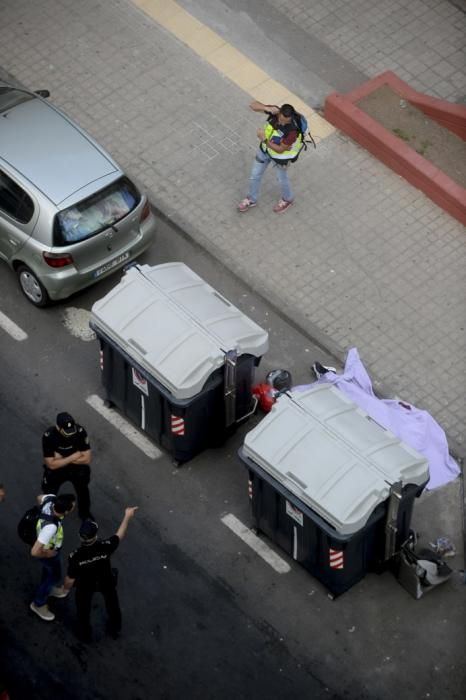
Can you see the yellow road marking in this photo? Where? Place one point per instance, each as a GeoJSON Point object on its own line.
{"type": "Point", "coordinates": [229, 61]}
{"type": "Point", "coordinates": [204, 41]}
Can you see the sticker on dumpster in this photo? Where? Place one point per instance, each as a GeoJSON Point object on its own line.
{"type": "Point", "coordinates": [294, 513]}
{"type": "Point", "coordinates": [177, 425]}
{"type": "Point", "coordinates": [336, 558]}
{"type": "Point", "coordinates": [140, 381]}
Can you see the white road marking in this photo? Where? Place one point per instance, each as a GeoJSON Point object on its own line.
{"type": "Point", "coordinates": [125, 428]}
{"type": "Point", "coordinates": [263, 550]}
{"type": "Point", "coordinates": [11, 328]}
{"type": "Point", "coordinates": [76, 321]}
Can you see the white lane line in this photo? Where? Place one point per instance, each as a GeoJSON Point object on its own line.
{"type": "Point", "coordinates": [263, 550]}
{"type": "Point", "coordinates": [11, 328]}
{"type": "Point", "coordinates": [125, 428]}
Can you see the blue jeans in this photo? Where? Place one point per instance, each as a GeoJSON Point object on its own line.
{"type": "Point", "coordinates": [260, 165]}
{"type": "Point", "coordinates": [51, 576]}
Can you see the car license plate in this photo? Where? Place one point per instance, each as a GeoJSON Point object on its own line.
{"type": "Point", "coordinates": [110, 265]}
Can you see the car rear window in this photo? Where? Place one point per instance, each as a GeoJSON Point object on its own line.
{"type": "Point", "coordinates": [96, 213]}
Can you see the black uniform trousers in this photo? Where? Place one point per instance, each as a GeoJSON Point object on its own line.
{"type": "Point", "coordinates": [84, 596]}
{"type": "Point", "coordinates": [79, 476]}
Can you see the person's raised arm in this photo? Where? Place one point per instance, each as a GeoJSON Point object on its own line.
{"type": "Point", "coordinates": [129, 513]}
{"type": "Point", "coordinates": [261, 107]}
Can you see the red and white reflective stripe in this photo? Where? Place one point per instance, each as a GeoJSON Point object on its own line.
{"type": "Point", "coordinates": [336, 558]}
{"type": "Point", "coordinates": [250, 489]}
{"type": "Point", "coordinates": [177, 425]}
{"type": "Point", "coordinates": [101, 358]}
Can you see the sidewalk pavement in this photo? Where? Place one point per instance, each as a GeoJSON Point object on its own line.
{"type": "Point", "coordinates": [361, 259]}
{"type": "Point", "coordinates": [422, 41]}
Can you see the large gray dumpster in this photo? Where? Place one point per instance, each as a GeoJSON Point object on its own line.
{"type": "Point", "coordinates": [330, 485]}
{"type": "Point", "coordinates": [176, 357]}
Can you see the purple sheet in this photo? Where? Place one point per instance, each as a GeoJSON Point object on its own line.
{"type": "Point", "coordinates": [415, 427]}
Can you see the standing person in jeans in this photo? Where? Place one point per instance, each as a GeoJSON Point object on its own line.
{"type": "Point", "coordinates": [47, 548]}
{"type": "Point", "coordinates": [89, 570]}
{"type": "Point", "coordinates": [67, 456]}
{"type": "Point", "coordinates": [281, 141]}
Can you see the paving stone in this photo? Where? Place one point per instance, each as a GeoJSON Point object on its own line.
{"type": "Point", "coordinates": [427, 31]}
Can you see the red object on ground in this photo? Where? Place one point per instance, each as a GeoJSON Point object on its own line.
{"type": "Point", "coordinates": [266, 396]}
{"type": "Point", "coordinates": [341, 110]}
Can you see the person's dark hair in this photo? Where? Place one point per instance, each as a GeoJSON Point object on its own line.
{"type": "Point", "coordinates": [64, 503]}
{"type": "Point", "coordinates": [287, 110]}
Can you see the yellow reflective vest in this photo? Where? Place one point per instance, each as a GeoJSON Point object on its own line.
{"type": "Point", "coordinates": [56, 541]}
{"type": "Point", "coordinates": [289, 155]}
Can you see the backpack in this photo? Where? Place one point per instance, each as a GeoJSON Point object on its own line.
{"type": "Point", "coordinates": [27, 526]}
{"type": "Point", "coordinates": [300, 122]}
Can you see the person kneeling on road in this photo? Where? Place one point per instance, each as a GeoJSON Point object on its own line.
{"type": "Point", "coordinates": [47, 548]}
{"type": "Point", "coordinates": [67, 456]}
{"type": "Point", "coordinates": [89, 570]}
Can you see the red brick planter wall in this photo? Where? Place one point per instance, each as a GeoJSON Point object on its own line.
{"type": "Point", "coordinates": [341, 111]}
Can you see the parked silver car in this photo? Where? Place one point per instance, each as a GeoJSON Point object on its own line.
{"type": "Point", "coordinates": [69, 216]}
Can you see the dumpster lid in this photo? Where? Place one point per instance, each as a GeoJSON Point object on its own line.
{"type": "Point", "coordinates": [331, 454]}
{"type": "Point", "coordinates": [175, 325]}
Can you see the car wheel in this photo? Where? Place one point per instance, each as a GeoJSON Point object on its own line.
{"type": "Point", "coordinates": [32, 287]}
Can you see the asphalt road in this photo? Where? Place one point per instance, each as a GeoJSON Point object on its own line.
{"type": "Point", "coordinates": [189, 629]}
{"type": "Point", "coordinates": [204, 616]}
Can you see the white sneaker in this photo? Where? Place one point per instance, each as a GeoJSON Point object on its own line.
{"type": "Point", "coordinates": [43, 612]}
{"type": "Point", "coordinates": [58, 592]}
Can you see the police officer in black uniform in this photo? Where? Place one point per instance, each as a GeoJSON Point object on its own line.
{"type": "Point", "coordinates": [67, 456]}
{"type": "Point", "coordinates": [90, 571]}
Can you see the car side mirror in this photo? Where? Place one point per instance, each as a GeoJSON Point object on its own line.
{"type": "Point", "coordinates": [43, 93]}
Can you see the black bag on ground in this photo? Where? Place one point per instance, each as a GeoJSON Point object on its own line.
{"type": "Point", "coordinates": [27, 526]}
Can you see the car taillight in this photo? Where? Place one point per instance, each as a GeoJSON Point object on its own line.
{"type": "Point", "coordinates": [145, 211]}
{"type": "Point", "coordinates": [57, 260]}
